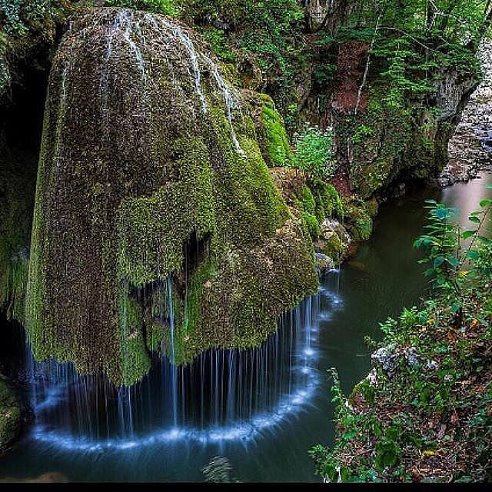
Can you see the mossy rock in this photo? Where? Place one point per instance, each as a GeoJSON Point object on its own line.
{"type": "Point", "coordinates": [10, 415]}
{"type": "Point", "coordinates": [17, 189]}
{"type": "Point", "coordinates": [272, 134]}
{"type": "Point", "coordinates": [155, 197]}
{"type": "Point", "coordinates": [333, 247]}
{"type": "Point", "coordinates": [358, 220]}
{"type": "Point", "coordinates": [312, 225]}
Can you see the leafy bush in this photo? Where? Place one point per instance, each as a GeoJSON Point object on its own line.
{"type": "Point", "coordinates": [218, 42]}
{"type": "Point", "coordinates": [458, 259]}
{"type": "Point", "coordinates": [314, 152]}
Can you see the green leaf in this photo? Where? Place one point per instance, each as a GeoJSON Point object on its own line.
{"type": "Point", "coordinates": [468, 234]}
{"type": "Point", "coordinates": [474, 219]}
{"type": "Point", "coordinates": [455, 307]}
{"type": "Point", "coordinates": [453, 261]}
{"type": "Point", "coordinates": [442, 213]}
{"type": "Point", "coordinates": [386, 454]}
{"type": "Point", "coordinates": [439, 261]}
{"type": "Point", "coordinates": [486, 203]}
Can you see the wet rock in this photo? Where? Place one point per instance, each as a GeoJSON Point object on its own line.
{"type": "Point", "coordinates": [324, 262]}
{"type": "Point", "coordinates": [372, 377]}
{"type": "Point", "coordinates": [386, 359]}
{"type": "Point", "coordinates": [10, 415]}
{"type": "Point", "coordinates": [470, 149]}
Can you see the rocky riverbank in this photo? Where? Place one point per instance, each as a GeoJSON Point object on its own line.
{"type": "Point", "coordinates": [470, 149]}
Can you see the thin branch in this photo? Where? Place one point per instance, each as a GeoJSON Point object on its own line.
{"type": "Point", "coordinates": [368, 63]}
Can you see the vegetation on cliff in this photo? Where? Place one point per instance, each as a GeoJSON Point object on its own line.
{"type": "Point", "coordinates": [424, 411]}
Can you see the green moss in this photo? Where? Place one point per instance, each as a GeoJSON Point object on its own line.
{"type": "Point", "coordinates": [200, 280]}
{"type": "Point", "coordinates": [150, 237]}
{"type": "Point", "coordinates": [134, 354]}
{"type": "Point", "coordinates": [328, 201]}
{"type": "Point", "coordinates": [278, 152]}
{"type": "Point", "coordinates": [17, 182]}
{"type": "Point", "coordinates": [307, 200]}
{"type": "Point", "coordinates": [359, 221]}
{"type": "Point", "coordinates": [333, 247]}
{"type": "Point", "coordinates": [312, 225]}
{"type": "Point", "coordinates": [372, 207]}
{"type": "Point", "coordinates": [381, 139]}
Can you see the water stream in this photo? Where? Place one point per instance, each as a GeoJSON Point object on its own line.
{"type": "Point", "coordinates": [262, 409]}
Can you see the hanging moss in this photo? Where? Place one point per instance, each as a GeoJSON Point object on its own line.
{"type": "Point", "coordinates": [278, 152]}
{"type": "Point", "coordinates": [133, 171]}
{"type": "Point", "coordinates": [312, 225]}
{"type": "Point", "coordinates": [328, 201]}
{"type": "Point", "coordinates": [17, 182]}
{"type": "Point", "coordinates": [307, 200]}
{"type": "Point", "coordinates": [134, 354]}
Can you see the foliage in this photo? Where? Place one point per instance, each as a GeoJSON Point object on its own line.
{"type": "Point", "coordinates": [412, 41]}
{"type": "Point", "coordinates": [18, 16]}
{"type": "Point", "coordinates": [269, 32]}
{"type": "Point", "coordinates": [217, 40]}
{"type": "Point", "coordinates": [313, 152]}
{"type": "Point", "coordinates": [458, 259]}
{"type": "Point", "coordinates": [166, 7]}
{"type": "Point", "coordinates": [423, 412]}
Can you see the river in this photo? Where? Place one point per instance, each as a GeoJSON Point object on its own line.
{"type": "Point", "coordinates": [284, 406]}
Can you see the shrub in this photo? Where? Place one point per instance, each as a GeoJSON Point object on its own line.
{"type": "Point", "coordinates": [314, 152]}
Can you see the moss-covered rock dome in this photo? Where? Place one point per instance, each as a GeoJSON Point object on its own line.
{"type": "Point", "coordinates": [155, 211]}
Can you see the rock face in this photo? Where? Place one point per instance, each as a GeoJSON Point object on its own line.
{"type": "Point", "coordinates": [10, 415]}
{"type": "Point", "coordinates": [470, 149]}
{"type": "Point", "coordinates": [380, 142]}
{"type": "Point", "coordinates": [157, 225]}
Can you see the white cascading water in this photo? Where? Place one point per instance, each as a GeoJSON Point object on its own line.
{"type": "Point", "coordinates": [225, 395]}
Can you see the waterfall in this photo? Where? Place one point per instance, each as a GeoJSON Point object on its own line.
{"type": "Point", "coordinates": [173, 32]}
{"type": "Point", "coordinates": [174, 382]}
{"type": "Point", "coordinates": [229, 101]}
{"type": "Point", "coordinates": [224, 395]}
